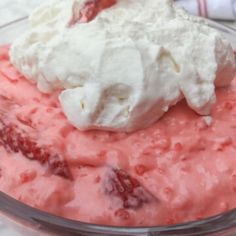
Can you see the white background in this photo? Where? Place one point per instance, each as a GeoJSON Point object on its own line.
{"type": "Point", "coordinates": [15, 9]}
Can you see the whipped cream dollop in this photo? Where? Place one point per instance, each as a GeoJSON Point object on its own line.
{"type": "Point", "coordinates": [126, 67]}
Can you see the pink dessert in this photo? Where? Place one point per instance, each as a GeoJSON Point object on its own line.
{"type": "Point", "coordinates": [180, 169]}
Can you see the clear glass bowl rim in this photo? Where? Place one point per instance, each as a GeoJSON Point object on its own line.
{"type": "Point", "coordinates": [32, 217]}
{"type": "Point", "coordinates": [25, 214]}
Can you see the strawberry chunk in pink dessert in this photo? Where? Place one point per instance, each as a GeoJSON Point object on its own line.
{"type": "Point", "coordinates": [180, 169]}
{"type": "Point", "coordinates": [89, 10]}
{"type": "Point", "coordinates": [16, 139]}
{"type": "Point", "coordinates": [128, 189]}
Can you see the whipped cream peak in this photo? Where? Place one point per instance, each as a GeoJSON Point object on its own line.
{"type": "Point", "coordinates": [121, 65]}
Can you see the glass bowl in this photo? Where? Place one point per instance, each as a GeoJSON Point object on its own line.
{"type": "Point", "coordinates": [18, 219]}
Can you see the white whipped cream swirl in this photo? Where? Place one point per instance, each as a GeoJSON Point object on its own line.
{"type": "Point", "coordinates": [123, 70]}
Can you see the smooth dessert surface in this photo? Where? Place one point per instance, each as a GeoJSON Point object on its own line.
{"type": "Point", "coordinates": [182, 168]}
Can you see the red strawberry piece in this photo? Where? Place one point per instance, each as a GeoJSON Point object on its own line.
{"type": "Point", "coordinates": [122, 214]}
{"type": "Point", "coordinates": [24, 120]}
{"type": "Point", "coordinates": [140, 169]}
{"type": "Point", "coordinates": [120, 184]}
{"type": "Point", "coordinates": [89, 10]}
{"type": "Point", "coordinates": [15, 139]}
{"type": "Point", "coordinates": [27, 176]}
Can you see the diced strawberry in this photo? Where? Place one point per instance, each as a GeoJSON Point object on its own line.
{"type": "Point", "coordinates": [16, 140]}
{"type": "Point", "coordinates": [89, 10]}
{"type": "Point", "coordinates": [24, 120]}
{"type": "Point", "coordinates": [128, 189]}
{"type": "Point", "coordinates": [122, 214]}
{"type": "Point", "coordinates": [140, 169]}
{"type": "Point", "coordinates": [27, 176]}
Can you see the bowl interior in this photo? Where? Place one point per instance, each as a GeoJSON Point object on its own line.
{"type": "Point", "coordinates": [35, 218]}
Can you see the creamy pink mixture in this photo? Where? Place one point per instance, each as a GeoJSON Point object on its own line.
{"type": "Point", "coordinates": [182, 168]}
